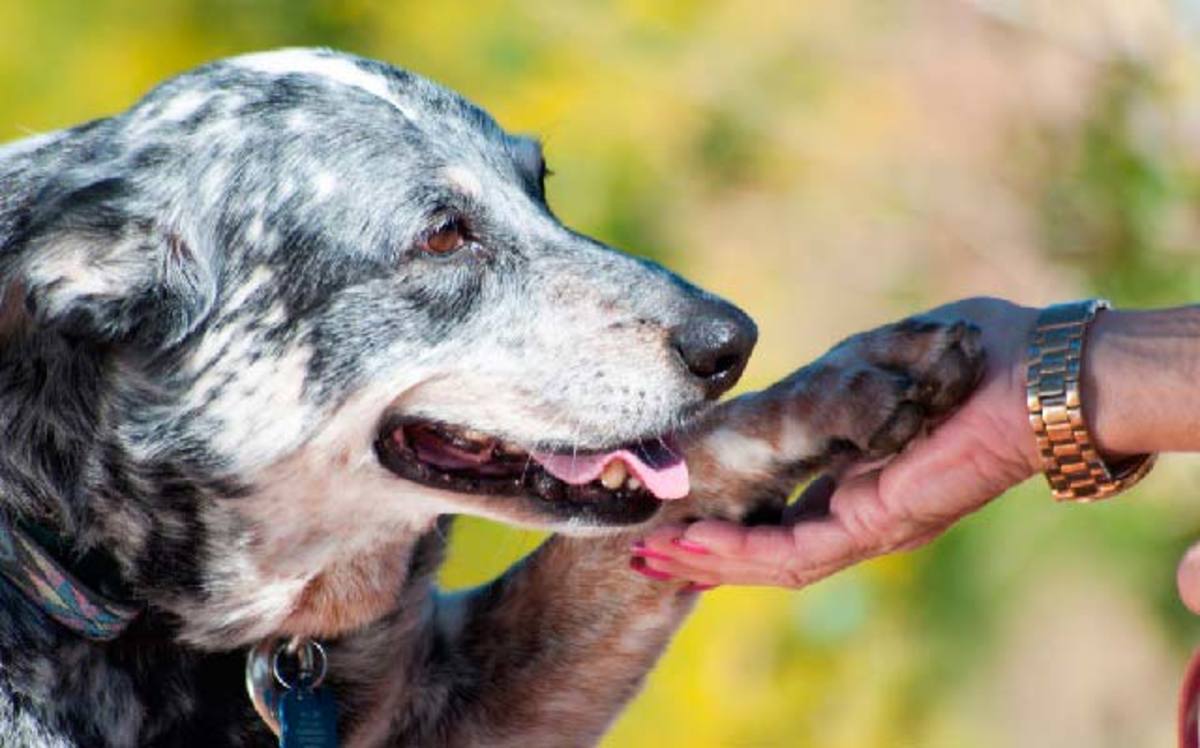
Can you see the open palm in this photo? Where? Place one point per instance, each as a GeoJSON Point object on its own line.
{"type": "Point", "coordinates": [977, 454]}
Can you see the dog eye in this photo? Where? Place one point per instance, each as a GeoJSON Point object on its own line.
{"type": "Point", "coordinates": [445, 239]}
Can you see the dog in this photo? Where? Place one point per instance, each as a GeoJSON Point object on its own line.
{"type": "Point", "coordinates": [266, 331]}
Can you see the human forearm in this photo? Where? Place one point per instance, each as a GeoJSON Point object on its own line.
{"type": "Point", "coordinates": [1141, 381]}
{"type": "Point", "coordinates": [1140, 393]}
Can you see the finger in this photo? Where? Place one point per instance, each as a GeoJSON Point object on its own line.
{"type": "Point", "coordinates": [661, 537]}
{"type": "Point", "coordinates": [770, 544]}
{"type": "Point", "coordinates": [756, 555]}
{"type": "Point", "coordinates": [1187, 578]}
{"type": "Point", "coordinates": [721, 552]}
{"type": "Point", "coordinates": [672, 569]}
{"type": "Point", "coordinates": [810, 545]}
{"type": "Point", "coordinates": [860, 526]}
{"type": "Point", "coordinates": [698, 564]}
{"type": "Point", "coordinates": [713, 570]}
{"type": "Point", "coordinates": [920, 541]}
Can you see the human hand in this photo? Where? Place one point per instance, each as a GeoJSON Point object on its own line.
{"type": "Point", "coordinates": [981, 451]}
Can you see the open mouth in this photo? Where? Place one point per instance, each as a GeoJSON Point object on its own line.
{"type": "Point", "coordinates": [618, 486]}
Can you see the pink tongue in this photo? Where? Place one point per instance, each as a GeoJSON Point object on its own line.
{"type": "Point", "coordinates": [663, 473]}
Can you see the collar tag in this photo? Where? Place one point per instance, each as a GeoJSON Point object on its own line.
{"type": "Point", "coordinates": [284, 682]}
{"type": "Point", "coordinates": [307, 718]}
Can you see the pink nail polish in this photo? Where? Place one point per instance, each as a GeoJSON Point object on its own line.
{"type": "Point", "coordinates": [645, 552]}
{"type": "Point", "coordinates": [639, 565]}
{"type": "Point", "coordinates": [691, 547]}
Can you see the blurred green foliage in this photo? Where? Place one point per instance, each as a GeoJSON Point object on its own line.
{"type": "Point", "coordinates": [1113, 194]}
{"type": "Point", "coordinates": [827, 164]}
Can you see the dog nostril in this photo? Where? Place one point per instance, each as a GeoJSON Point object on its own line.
{"type": "Point", "coordinates": [726, 363]}
{"type": "Point", "coordinates": [714, 346]}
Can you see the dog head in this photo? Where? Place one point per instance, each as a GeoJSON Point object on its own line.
{"type": "Point", "coordinates": [340, 284]}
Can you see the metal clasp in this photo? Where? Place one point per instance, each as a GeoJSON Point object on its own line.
{"type": "Point", "coordinates": [267, 677]}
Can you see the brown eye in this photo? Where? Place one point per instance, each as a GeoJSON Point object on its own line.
{"type": "Point", "coordinates": [444, 240]}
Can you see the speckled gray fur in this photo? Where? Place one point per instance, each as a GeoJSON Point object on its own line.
{"type": "Point", "coordinates": [211, 305]}
{"type": "Point", "coordinates": [209, 300]}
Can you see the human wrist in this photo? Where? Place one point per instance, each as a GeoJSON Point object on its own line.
{"type": "Point", "coordinates": [1023, 321]}
{"type": "Point", "coordinates": [1140, 381]}
{"type": "Point", "coordinates": [1073, 464]}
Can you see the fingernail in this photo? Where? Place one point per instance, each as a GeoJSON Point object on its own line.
{"type": "Point", "coordinates": [684, 544]}
{"type": "Point", "coordinates": [644, 552]}
{"type": "Point", "coordinates": [639, 565]}
{"type": "Point", "coordinates": [695, 587]}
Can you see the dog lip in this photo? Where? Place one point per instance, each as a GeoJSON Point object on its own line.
{"type": "Point", "coordinates": [656, 463]}
{"type": "Point", "coordinates": [463, 461]}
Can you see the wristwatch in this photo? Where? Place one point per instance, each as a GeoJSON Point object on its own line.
{"type": "Point", "coordinates": [1073, 467]}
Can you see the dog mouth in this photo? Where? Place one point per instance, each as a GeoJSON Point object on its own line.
{"type": "Point", "coordinates": [614, 486]}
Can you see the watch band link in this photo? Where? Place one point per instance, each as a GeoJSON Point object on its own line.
{"type": "Point", "coordinates": [1073, 467]}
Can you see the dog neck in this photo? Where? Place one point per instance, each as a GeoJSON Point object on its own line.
{"type": "Point", "coordinates": [50, 395]}
{"type": "Point", "coordinates": [302, 565]}
{"type": "Point", "coordinates": [291, 560]}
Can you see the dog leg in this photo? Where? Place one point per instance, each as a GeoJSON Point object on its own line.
{"type": "Point", "coordinates": [545, 655]}
{"type": "Point", "coordinates": [563, 642]}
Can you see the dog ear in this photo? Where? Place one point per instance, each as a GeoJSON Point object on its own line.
{"type": "Point", "coordinates": [95, 266]}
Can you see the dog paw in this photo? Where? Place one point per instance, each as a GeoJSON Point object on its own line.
{"type": "Point", "coordinates": [883, 387]}
{"type": "Point", "coordinates": [865, 399]}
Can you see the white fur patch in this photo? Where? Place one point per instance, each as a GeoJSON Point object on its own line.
{"type": "Point", "coordinates": [184, 105]}
{"type": "Point", "coordinates": [336, 69]}
{"type": "Point", "coordinates": [797, 441]}
{"type": "Point", "coordinates": [463, 180]}
{"type": "Point", "coordinates": [298, 121]}
{"type": "Point", "coordinates": [27, 145]}
{"type": "Point", "coordinates": [72, 268]}
{"type": "Point", "coordinates": [258, 279]}
{"type": "Point", "coordinates": [738, 452]}
{"type": "Point", "coordinates": [324, 184]}
{"type": "Point", "coordinates": [255, 229]}
{"type": "Point", "coordinates": [71, 263]}
{"type": "Point", "coordinates": [264, 408]}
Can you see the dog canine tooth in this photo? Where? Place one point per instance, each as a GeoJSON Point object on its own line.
{"type": "Point", "coordinates": [614, 475]}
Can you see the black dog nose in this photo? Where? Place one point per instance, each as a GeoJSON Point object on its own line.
{"type": "Point", "coordinates": [714, 344]}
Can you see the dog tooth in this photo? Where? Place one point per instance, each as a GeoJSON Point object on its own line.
{"type": "Point", "coordinates": [614, 475]}
{"type": "Point", "coordinates": [632, 483]}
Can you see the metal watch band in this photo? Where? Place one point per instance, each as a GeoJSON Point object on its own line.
{"type": "Point", "coordinates": [1073, 467]}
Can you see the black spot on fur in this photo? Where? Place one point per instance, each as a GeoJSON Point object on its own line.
{"type": "Point", "coordinates": [151, 156]}
{"type": "Point", "coordinates": [93, 207]}
{"type": "Point", "coordinates": [202, 116]}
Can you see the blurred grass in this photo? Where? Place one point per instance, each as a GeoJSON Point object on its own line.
{"type": "Point", "coordinates": [828, 165]}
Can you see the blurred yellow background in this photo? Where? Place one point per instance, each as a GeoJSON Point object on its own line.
{"type": "Point", "coordinates": [828, 165]}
